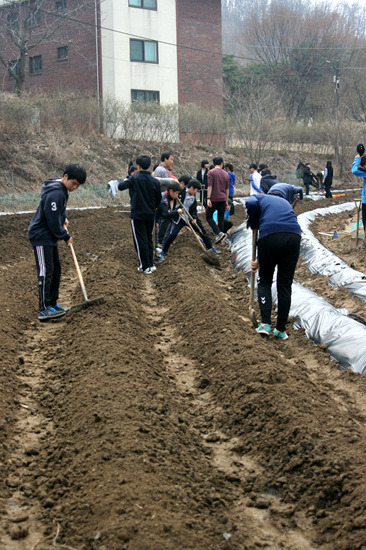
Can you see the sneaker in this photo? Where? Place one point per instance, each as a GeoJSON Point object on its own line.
{"type": "Point", "coordinates": [160, 258]}
{"type": "Point", "coordinates": [263, 328]}
{"type": "Point", "coordinates": [153, 268]}
{"type": "Point", "coordinates": [57, 307]}
{"type": "Point", "coordinates": [279, 334]}
{"type": "Point", "coordinates": [140, 270]}
{"type": "Point", "coordinates": [148, 270]}
{"type": "Point", "coordinates": [50, 313]}
{"type": "Point", "coordinates": [219, 237]}
{"type": "Point", "coordinates": [215, 250]}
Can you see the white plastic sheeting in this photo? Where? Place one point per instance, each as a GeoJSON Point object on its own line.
{"type": "Point", "coordinates": [320, 260]}
{"type": "Point", "coordinates": [344, 338]}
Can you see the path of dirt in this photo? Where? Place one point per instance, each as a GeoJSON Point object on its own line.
{"type": "Point", "coordinates": [158, 420]}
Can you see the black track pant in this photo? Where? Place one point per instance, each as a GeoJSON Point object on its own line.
{"type": "Point", "coordinates": [281, 249]}
{"type": "Point", "coordinates": [176, 227]}
{"type": "Point", "coordinates": [220, 206]}
{"type": "Point", "coordinates": [328, 193]}
{"type": "Point", "coordinates": [164, 229]}
{"type": "Point", "coordinates": [49, 275]}
{"type": "Point", "coordinates": [142, 231]}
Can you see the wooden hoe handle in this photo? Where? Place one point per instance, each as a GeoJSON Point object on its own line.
{"type": "Point", "coordinates": [78, 271]}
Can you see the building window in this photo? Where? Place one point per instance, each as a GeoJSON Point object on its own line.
{"type": "Point", "coordinates": [60, 6]}
{"type": "Point", "coordinates": [144, 50]}
{"type": "Point", "coordinates": [145, 96]}
{"type": "Point", "coordinates": [35, 64]}
{"type": "Point", "coordinates": [34, 18]}
{"type": "Point", "coordinates": [13, 21]}
{"type": "Point", "coordinates": [62, 53]}
{"type": "Point", "coordinates": [14, 67]}
{"type": "Point", "coordinates": [145, 4]}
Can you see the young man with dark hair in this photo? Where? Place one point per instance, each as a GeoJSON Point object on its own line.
{"type": "Point", "coordinates": [278, 245]}
{"type": "Point", "coordinates": [48, 226]}
{"type": "Point", "coordinates": [145, 197]}
{"type": "Point", "coordinates": [183, 180]}
{"type": "Point", "coordinates": [262, 167]}
{"type": "Point", "coordinates": [166, 162]}
{"type": "Point", "coordinates": [255, 180]}
{"type": "Point", "coordinates": [188, 199]}
{"type": "Point", "coordinates": [217, 197]}
{"type": "Point", "coordinates": [167, 211]}
{"type": "Point", "coordinates": [267, 180]}
{"type": "Point", "coordinates": [229, 168]}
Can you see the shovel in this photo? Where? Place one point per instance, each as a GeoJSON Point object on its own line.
{"type": "Point", "coordinates": [208, 256]}
{"type": "Point", "coordinates": [87, 303]}
{"type": "Point", "coordinates": [252, 280]}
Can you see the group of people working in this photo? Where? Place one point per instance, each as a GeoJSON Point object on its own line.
{"type": "Point", "coordinates": [166, 204]}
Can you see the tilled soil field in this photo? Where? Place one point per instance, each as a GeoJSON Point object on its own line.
{"type": "Point", "coordinates": [159, 420]}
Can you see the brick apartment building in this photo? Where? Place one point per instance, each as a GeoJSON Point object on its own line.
{"type": "Point", "coordinates": [152, 50]}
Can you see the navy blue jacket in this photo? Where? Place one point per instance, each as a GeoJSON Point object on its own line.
{"type": "Point", "coordinates": [271, 214]}
{"type": "Point", "coordinates": [286, 191]}
{"type": "Point", "coordinates": [164, 211]}
{"type": "Point", "coordinates": [267, 181]}
{"type": "Point", "coordinates": [145, 195]}
{"type": "Point", "coordinates": [46, 226]}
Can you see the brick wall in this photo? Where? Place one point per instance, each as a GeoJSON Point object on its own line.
{"type": "Point", "coordinates": [200, 72]}
{"type": "Point", "coordinates": [77, 72]}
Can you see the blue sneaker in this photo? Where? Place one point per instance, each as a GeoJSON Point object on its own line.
{"type": "Point", "coordinates": [279, 334]}
{"type": "Point", "coordinates": [215, 250]}
{"type": "Point", "coordinates": [263, 328]}
{"type": "Point", "coordinates": [160, 257]}
{"type": "Point", "coordinates": [50, 313]}
{"type": "Point", "coordinates": [57, 307]}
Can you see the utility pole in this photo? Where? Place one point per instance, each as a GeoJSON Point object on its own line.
{"type": "Point", "coordinates": [336, 91]}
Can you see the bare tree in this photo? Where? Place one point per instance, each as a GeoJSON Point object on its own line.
{"type": "Point", "coordinates": [26, 24]}
{"type": "Point", "coordinates": [252, 123]}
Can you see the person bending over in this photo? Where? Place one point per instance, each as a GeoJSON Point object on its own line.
{"type": "Point", "coordinates": [188, 199]}
{"type": "Point", "coordinates": [279, 236]}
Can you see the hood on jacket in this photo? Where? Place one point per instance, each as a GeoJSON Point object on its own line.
{"type": "Point", "coordinates": [52, 185]}
{"type": "Point", "coordinates": [278, 191]}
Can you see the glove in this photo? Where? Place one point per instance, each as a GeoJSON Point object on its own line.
{"type": "Point", "coordinates": [360, 149]}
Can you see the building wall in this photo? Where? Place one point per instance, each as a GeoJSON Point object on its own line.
{"type": "Point", "coordinates": [188, 33]}
{"type": "Point", "coordinates": [119, 74]}
{"type": "Point", "coordinates": [77, 72]}
{"type": "Point", "coordinates": [200, 72]}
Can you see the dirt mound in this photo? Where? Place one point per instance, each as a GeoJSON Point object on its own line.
{"type": "Point", "coordinates": [158, 419]}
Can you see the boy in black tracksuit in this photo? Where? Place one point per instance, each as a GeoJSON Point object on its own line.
{"type": "Point", "coordinates": [145, 197]}
{"type": "Point", "coordinates": [188, 199]}
{"type": "Point", "coordinates": [47, 227]}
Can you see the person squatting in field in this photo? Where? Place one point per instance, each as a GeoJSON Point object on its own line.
{"type": "Point", "coordinates": [166, 212]}
{"type": "Point", "coordinates": [48, 226]}
{"type": "Point", "coordinates": [180, 219]}
{"type": "Point", "coordinates": [278, 245]}
{"type": "Point", "coordinates": [145, 197]}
